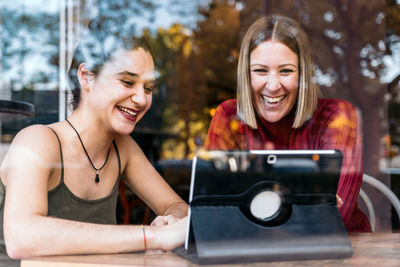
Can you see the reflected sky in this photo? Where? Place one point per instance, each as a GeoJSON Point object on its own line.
{"type": "Point", "coordinates": [52, 6]}
{"type": "Point", "coordinates": [167, 13]}
{"type": "Point", "coordinates": [36, 58]}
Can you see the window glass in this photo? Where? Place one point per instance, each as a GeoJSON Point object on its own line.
{"type": "Point", "coordinates": [356, 46]}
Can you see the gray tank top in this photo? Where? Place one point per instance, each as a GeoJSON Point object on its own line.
{"type": "Point", "coordinates": [62, 203]}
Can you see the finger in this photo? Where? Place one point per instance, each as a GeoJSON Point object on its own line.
{"type": "Point", "coordinates": [170, 219]}
{"type": "Point", "coordinates": [339, 201]}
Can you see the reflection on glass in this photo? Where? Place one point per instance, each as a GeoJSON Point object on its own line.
{"type": "Point", "coordinates": [196, 45]}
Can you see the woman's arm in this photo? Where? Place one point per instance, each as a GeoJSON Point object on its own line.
{"type": "Point", "coordinates": [28, 230]}
{"type": "Point", "coordinates": [343, 132]}
{"type": "Point", "coordinates": [147, 183]}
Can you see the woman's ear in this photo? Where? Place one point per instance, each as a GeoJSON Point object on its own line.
{"type": "Point", "coordinates": [85, 77]}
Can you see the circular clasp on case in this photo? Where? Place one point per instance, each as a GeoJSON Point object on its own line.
{"type": "Point", "coordinates": [271, 159]}
{"type": "Point", "coordinates": [265, 204]}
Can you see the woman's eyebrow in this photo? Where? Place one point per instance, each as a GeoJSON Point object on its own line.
{"type": "Point", "coordinates": [258, 65]}
{"type": "Point", "coordinates": [135, 75]}
{"type": "Point", "coordinates": [287, 64]}
{"type": "Point", "coordinates": [280, 66]}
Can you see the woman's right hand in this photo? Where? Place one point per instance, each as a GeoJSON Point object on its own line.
{"type": "Point", "coordinates": [170, 236]}
{"type": "Point", "coordinates": [163, 220]}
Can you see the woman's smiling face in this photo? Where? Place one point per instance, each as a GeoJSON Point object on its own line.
{"type": "Point", "coordinates": [274, 78]}
{"type": "Point", "coordinates": [124, 88]}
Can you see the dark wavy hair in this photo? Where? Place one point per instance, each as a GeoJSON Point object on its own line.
{"type": "Point", "coordinates": [105, 36]}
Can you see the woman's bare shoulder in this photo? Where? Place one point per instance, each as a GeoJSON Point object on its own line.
{"type": "Point", "coordinates": [36, 142]}
{"type": "Point", "coordinates": [34, 147]}
{"type": "Point", "coordinates": [35, 135]}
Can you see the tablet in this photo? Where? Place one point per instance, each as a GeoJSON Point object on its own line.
{"type": "Point", "coordinates": [264, 205]}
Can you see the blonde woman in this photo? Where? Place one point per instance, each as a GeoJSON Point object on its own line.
{"type": "Point", "coordinates": [277, 107]}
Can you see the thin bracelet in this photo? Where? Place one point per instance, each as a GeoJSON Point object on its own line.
{"type": "Point", "coordinates": [144, 238]}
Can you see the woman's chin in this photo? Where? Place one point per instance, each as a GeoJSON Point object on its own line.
{"type": "Point", "coordinates": [273, 114]}
{"type": "Point", "coordinates": [271, 118]}
{"type": "Point", "coordinates": [124, 128]}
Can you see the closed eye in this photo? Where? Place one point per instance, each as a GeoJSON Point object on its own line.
{"type": "Point", "coordinates": [148, 89]}
{"type": "Point", "coordinates": [260, 70]}
{"type": "Point", "coordinates": [287, 71]}
{"type": "Point", "coordinates": [127, 83]}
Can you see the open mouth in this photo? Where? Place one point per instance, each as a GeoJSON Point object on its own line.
{"type": "Point", "coordinates": [273, 100]}
{"type": "Point", "coordinates": [127, 111]}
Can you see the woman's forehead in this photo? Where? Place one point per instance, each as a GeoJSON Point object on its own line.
{"type": "Point", "coordinates": [138, 61]}
{"type": "Point", "coordinates": [274, 52]}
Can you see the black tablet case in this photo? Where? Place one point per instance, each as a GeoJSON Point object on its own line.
{"type": "Point", "coordinates": [307, 226]}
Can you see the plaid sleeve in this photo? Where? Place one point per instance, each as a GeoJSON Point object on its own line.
{"type": "Point", "coordinates": [225, 129]}
{"type": "Point", "coordinates": [343, 132]}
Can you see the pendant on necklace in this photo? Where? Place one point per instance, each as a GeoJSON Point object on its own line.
{"type": "Point", "coordinates": [97, 179]}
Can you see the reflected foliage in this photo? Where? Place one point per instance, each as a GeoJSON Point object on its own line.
{"type": "Point", "coordinates": [28, 38]}
{"type": "Point", "coordinates": [196, 58]}
{"type": "Point", "coordinates": [29, 64]}
{"type": "Point", "coordinates": [30, 43]}
{"type": "Point", "coordinates": [197, 72]}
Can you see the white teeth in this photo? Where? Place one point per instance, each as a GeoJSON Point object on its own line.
{"type": "Point", "coordinates": [128, 111]}
{"type": "Point", "coordinates": [273, 100]}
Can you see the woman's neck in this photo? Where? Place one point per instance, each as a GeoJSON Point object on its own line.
{"type": "Point", "coordinates": [281, 129]}
{"type": "Point", "coordinates": [94, 134]}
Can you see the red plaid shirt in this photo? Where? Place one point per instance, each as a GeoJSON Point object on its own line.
{"type": "Point", "coordinates": [335, 125]}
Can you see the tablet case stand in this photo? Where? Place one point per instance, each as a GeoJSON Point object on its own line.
{"type": "Point", "coordinates": [307, 226]}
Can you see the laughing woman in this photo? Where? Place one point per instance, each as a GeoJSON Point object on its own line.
{"type": "Point", "coordinates": [277, 107]}
{"type": "Point", "coordinates": [60, 181]}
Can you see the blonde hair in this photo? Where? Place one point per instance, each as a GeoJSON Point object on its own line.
{"type": "Point", "coordinates": [291, 34]}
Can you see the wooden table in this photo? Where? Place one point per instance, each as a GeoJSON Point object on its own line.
{"type": "Point", "coordinates": [381, 249]}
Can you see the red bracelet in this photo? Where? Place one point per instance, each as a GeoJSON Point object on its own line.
{"type": "Point", "coordinates": [144, 237]}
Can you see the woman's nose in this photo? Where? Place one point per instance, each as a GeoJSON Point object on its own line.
{"type": "Point", "coordinates": [139, 96]}
{"type": "Point", "coordinates": [272, 82]}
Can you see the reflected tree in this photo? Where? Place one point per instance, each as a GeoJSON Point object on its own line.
{"type": "Point", "coordinates": [393, 49]}
{"type": "Point", "coordinates": [29, 43]}
{"type": "Point", "coordinates": [30, 40]}
{"type": "Point", "coordinates": [29, 52]}
{"type": "Point", "coordinates": [217, 46]}
{"type": "Point", "coordinates": [197, 72]}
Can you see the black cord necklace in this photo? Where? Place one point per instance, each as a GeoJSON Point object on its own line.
{"type": "Point", "coordinates": [97, 178]}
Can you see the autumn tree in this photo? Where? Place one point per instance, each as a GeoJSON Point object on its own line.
{"type": "Point", "coordinates": [172, 50]}
{"type": "Point", "coordinates": [197, 72]}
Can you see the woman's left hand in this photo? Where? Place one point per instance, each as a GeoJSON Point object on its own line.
{"type": "Point", "coordinates": [163, 220]}
{"type": "Point", "coordinates": [339, 201]}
